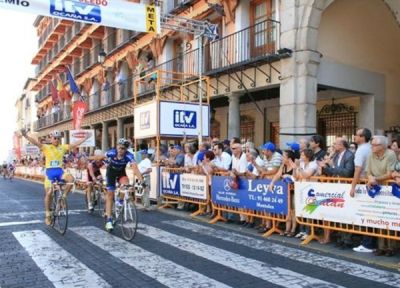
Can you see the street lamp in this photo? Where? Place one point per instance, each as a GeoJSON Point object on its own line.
{"type": "Point", "coordinates": [101, 58]}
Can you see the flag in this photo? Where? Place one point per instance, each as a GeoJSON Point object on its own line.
{"type": "Point", "coordinates": [54, 93]}
{"type": "Point", "coordinates": [62, 92]}
{"type": "Point", "coordinates": [72, 85]}
{"type": "Point", "coordinates": [78, 111]}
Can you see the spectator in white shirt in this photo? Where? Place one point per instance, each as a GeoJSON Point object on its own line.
{"type": "Point", "coordinates": [145, 169]}
{"type": "Point", "coordinates": [239, 162]}
{"type": "Point", "coordinates": [222, 159]}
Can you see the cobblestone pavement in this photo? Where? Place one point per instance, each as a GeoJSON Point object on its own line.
{"type": "Point", "coordinates": [168, 251]}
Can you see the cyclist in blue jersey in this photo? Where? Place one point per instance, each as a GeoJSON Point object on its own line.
{"type": "Point", "coordinates": [117, 160]}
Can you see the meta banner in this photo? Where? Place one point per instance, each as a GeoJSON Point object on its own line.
{"type": "Point", "coordinates": [116, 13]}
{"type": "Point", "coordinates": [252, 194]}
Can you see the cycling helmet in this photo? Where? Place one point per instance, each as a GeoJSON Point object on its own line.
{"type": "Point", "coordinates": [55, 134]}
{"type": "Point", "coordinates": [98, 152]}
{"type": "Point", "coordinates": [124, 142]}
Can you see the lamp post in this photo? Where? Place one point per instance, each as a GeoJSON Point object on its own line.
{"type": "Point", "coordinates": [200, 67]}
{"type": "Point", "coordinates": [101, 58]}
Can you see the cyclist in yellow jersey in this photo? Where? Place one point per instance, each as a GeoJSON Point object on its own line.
{"type": "Point", "coordinates": [54, 154]}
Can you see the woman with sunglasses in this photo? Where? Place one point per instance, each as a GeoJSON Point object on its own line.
{"type": "Point", "coordinates": [117, 160]}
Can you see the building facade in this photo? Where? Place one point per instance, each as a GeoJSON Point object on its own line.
{"type": "Point", "coordinates": [280, 70]}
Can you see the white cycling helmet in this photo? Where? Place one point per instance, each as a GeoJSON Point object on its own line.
{"type": "Point", "coordinates": [98, 152]}
{"type": "Point", "coordinates": [55, 134]}
{"type": "Point", "coordinates": [124, 142]}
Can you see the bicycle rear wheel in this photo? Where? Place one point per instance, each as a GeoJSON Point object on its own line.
{"type": "Point", "coordinates": [129, 220]}
{"type": "Point", "coordinates": [61, 215]}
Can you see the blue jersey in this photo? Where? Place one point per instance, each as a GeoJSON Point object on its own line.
{"type": "Point", "coordinates": [119, 164]}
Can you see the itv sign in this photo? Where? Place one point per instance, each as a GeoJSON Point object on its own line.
{"type": "Point", "coordinates": [75, 10]}
{"type": "Point", "coordinates": [184, 119]}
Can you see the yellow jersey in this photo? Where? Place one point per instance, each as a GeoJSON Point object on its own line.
{"type": "Point", "coordinates": [54, 155]}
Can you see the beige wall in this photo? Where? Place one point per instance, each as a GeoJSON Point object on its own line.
{"type": "Point", "coordinates": [364, 34]}
{"type": "Point", "coordinates": [249, 109]}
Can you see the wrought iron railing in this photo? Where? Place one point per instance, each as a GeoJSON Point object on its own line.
{"type": "Point", "coordinates": [248, 45]}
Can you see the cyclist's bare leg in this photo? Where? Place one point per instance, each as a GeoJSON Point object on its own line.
{"type": "Point", "coordinates": [69, 179]}
{"type": "Point", "coordinates": [89, 190]}
{"type": "Point", "coordinates": [48, 197]}
{"type": "Point", "coordinates": [109, 203]}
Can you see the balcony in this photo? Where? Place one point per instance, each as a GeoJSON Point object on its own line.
{"type": "Point", "coordinates": [250, 47]}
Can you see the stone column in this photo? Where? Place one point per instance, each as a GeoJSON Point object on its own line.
{"type": "Point", "coordinates": [104, 137]}
{"type": "Point", "coordinates": [120, 128]}
{"type": "Point", "coordinates": [298, 90]}
{"type": "Point", "coordinates": [234, 116]}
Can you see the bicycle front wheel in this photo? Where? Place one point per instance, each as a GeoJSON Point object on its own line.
{"type": "Point", "coordinates": [128, 218]}
{"type": "Point", "coordinates": [61, 215]}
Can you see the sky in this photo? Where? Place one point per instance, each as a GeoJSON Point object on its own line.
{"type": "Point", "coordinates": [18, 45]}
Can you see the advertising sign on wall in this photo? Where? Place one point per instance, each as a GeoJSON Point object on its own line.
{"type": "Point", "coordinates": [145, 120]}
{"type": "Point", "coordinates": [179, 119]}
{"type": "Point", "coordinates": [251, 194]}
{"type": "Point", "coordinates": [332, 202]}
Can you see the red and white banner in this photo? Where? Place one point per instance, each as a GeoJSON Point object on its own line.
{"type": "Point", "coordinates": [77, 135]}
{"type": "Point", "coordinates": [78, 112]}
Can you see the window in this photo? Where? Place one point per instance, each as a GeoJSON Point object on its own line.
{"type": "Point", "coordinates": [263, 32]}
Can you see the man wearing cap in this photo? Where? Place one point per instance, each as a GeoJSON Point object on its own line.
{"type": "Point", "coordinates": [145, 169]}
{"type": "Point", "coordinates": [272, 160]}
{"type": "Point", "coordinates": [295, 147]}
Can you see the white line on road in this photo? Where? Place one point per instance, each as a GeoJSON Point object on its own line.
{"type": "Point", "coordinates": [273, 274]}
{"type": "Point", "coordinates": [59, 266]}
{"type": "Point", "coordinates": [4, 224]}
{"type": "Point", "coordinates": [342, 266]}
{"type": "Point", "coordinates": [164, 271]}
{"type": "Point", "coordinates": [35, 213]}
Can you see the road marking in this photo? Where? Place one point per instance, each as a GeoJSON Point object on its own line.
{"type": "Point", "coordinates": [4, 224]}
{"type": "Point", "coordinates": [59, 266]}
{"type": "Point", "coordinates": [342, 266]}
{"type": "Point", "coordinates": [273, 274]}
{"type": "Point", "coordinates": [35, 213]}
{"type": "Point", "coordinates": [164, 271]}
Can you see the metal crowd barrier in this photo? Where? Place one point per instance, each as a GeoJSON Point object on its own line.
{"type": "Point", "coordinates": [275, 219]}
{"type": "Point", "coordinates": [342, 227]}
{"type": "Point", "coordinates": [169, 200]}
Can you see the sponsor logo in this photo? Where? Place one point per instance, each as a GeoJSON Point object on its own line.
{"type": "Point", "coordinates": [317, 199]}
{"type": "Point", "coordinates": [145, 120]}
{"type": "Point", "coordinates": [16, 2]}
{"type": "Point", "coordinates": [227, 187]}
{"type": "Point", "coordinates": [75, 10]}
{"type": "Point", "coordinates": [185, 119]}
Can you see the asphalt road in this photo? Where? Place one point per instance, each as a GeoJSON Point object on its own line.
{"type": "Point", "coordinates": [168, 251]}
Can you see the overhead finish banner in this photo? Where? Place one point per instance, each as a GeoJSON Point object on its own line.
{"type": "Point", "coordinates": [116, 13]}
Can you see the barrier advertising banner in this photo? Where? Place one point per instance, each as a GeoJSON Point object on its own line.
{"type": "Point", "coordinates": [112, 13]}
{"type": "Point", "coordinates": [178, 119]}
{"type": "Point", "coordinates": [251, 194]}
{"type": "Point", "coordinates": [194, 186]}
{"type": "Point", "coordinates": [332, 202]}
{"type": "Point", "coordinates": [186, 185]}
